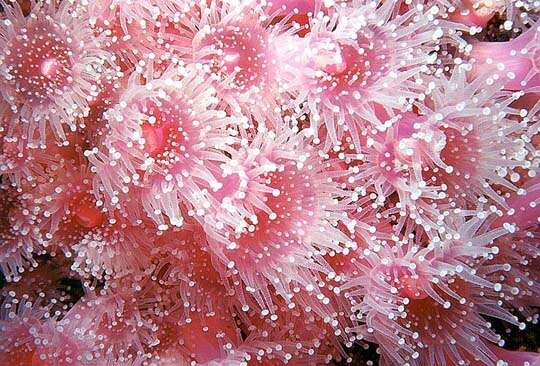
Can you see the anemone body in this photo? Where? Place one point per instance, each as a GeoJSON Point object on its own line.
{"type": "Point", "coordinates": [517, 60]}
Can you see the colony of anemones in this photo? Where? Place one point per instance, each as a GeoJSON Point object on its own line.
{"type": "Point", "coordinates": [242, 182]}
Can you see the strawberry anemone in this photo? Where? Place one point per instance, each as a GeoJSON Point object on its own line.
{"type": "Point", "coordinates": [342, 63]}
{"type": "Point", "coordinates": [164, 136]}
{"type": "Point", "coordinates": [237, 47]}
{"type": "Point", "coordinates": [102, 242]}
{"type": "Point", "coordinates": [393, 160]}
{"type": "Point", "coordinates": [96, 126]}
{"type": "Point", "coordinates": [296, 213]}
{"type": "Point", "coordinates": [185, 274]}
{"type": "Point", "coordinates": [184, 287]}
{"type": "Point", "coordinates": [178, 295]}
{"type": "Point", "coordinates": [423, 300]}
{"type": "Point", "coordinates": [483, 141]}
{"type": "Point", "coordinates": [144, 11]}
{"type": "Point", "coordinates": [134, 32]}
{"type": "Point", "coordinates": [50, 61]}
{"type": "Point", "coordinates": [302, 334]}
{"type": "Point", "coordinates": [99, 329]}
{"type": "Point", "coordinates": [50, 284]}
{"type": "Point", "coordinates": [25, 162]}
{"type": "Point", "coordinates": [19, 159]}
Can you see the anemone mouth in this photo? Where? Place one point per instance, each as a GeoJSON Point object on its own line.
{"type": "Point", "coordinates": [345, 69]}
{"type": "Point", "coordinates": [392, 163]}
{"type": "Point", "coordinates": [167, 132]}
{"type": "Point", "coordinates": [87, 214]}
{"type": "Point", "coordinates": [238, 52]}
{"type": "Point", "coordinates": [170, 134]}
{"type": "Point", "coordinates": [404, 281]}
{"type": "Point", "coordinates": [39, 62]}
{"type": "Point", "coordinates": [233, 187]}
{"type": "Point", "coordinates": [83, 217]}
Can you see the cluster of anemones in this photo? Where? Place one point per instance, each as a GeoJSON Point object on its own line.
{"type": "Point", "coordinates": [234, 182]}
